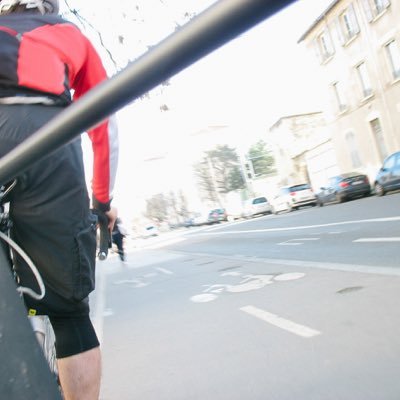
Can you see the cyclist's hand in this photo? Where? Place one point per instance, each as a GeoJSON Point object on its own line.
{"type": "Point", "coordinates": [112, 215]}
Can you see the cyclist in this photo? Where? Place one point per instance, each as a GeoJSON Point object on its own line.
{"type": "Point", "coordinates": [43, 59]}
{"type": "Point", "coordinates": [118, 236]}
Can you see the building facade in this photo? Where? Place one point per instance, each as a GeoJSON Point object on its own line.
{"type": "Point", "coordinates": [357, 45]}
{"type": "Point", "coordinates": [302, 149]}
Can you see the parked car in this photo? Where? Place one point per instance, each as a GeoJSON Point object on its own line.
{"type": "Point", "coordinates": [292, 197]}
{"type": "Point", "coordinates": [256, 206]}
{"type": "Point", "coordinates": [197, 219]}
{"type": "Point", "coordinates": [217, 215]}
{"type": "Point", "coordinates": [343, 187]}
{"type": "Point", "coordinates": [388, 177]}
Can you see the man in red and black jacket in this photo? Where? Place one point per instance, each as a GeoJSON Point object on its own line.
{"type": "Point", "coordinates": [42, 59]}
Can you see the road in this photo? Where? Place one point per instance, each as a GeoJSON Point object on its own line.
{"type": "Point", "coordinates": [302, 305]}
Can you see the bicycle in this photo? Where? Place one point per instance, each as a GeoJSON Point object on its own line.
{"type": "Point", "coordinates": [40, 324]}
{"type": "Point", "coordinates": [25, 374]}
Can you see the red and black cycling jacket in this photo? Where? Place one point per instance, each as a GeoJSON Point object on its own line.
{"type": "Point", "coordinates": [48, 56]}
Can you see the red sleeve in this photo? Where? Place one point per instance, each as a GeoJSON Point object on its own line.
{"type": "Point", "coordinates": [104, 136]}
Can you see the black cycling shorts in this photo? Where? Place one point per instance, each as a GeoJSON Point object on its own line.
{"type": "Point", "coordinates": [74, 335]}
{"type": "Point", "coordinates": [52, 222]}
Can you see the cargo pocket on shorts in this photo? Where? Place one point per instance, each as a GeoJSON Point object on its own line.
{"type": "Point", "coordinates": [84, 281]}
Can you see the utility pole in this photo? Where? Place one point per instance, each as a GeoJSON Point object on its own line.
{"type": "Point", "coordinates": [214, 181]}
{"type": "Point", "coordinates": [246, 168]}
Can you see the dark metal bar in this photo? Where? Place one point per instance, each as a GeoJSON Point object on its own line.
{"type": "Point", "coordinates": [208, 31]}
{"type": "Point", "coordinates": [24, 373]}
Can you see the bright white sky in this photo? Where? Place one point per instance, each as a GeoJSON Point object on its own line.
{"type": "Point", "coordinates": [245, 86]}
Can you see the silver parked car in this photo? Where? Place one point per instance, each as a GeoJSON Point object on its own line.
{"type": "Point", "coordinates": [256, 206]}
{"type": "Point", "coordinates": [292, 197]}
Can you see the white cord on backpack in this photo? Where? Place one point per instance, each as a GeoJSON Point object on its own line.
{"type": "Point", "coordinates": [22, 289]}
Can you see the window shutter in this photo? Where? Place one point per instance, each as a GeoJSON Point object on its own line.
{"type": "Point", "coordinates": [339, 32]}
{"type": "Point", "coordinates": [368, 10]}
{"type": "Point", "coordinates": [353, 18]}
{"type": "Point", "coordinates": [317, 49]}
{"type": "Point", "coordinates": [329, 42]}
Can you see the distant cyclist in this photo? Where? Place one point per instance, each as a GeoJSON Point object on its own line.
{"type": "Point", "coordinates": [43, 59]}
{"type": "Point", "coordinates": [118, 236]}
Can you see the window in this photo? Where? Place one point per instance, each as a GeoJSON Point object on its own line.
{"type": "Point", "coordinates": [379, 139]}
{"type": "Point", "coordinates": [348, 25]}
{"type": "Point", "coordinates": [364, 79]}
{"type": "Point", "coordinates": [392, 51]}
{"type": "Point", "coordinates": [297, 188]}
{"type": "Point", "coordinates": [390, 162]}
{"type": "Point", "coordinates": [325, 46]}
{"type": "Point", "coordinates": [259, 200]}
{"type": "Point", "coordinates": [353, 150]}
{"type": "Point", "coordinates": [339, 95]}
{"type": "Point", "coordinates": [333, 181]}
{"type": "Point", "coordinates": [374, 8]}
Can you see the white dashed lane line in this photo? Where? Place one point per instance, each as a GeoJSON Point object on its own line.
{"type": "Point", "coordinates": [287, 325]}
{"type": "Point", "coordinates": [296, 242]}
{"type": "Point", "coordinates": [377, 240]}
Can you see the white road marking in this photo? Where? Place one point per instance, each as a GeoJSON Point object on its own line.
{"type": "Point", "coordinates": [135, 282]}
{"type": "Point", "coordinates": [250, 282]}
{"type": "Point", "coordinates": [280, 322]}
{"type": "Point", "coordinates": [293, 228]}
{"type": "Point", "coordinates": [306, 239]}
{"type": "Point", "coordinates": [164, 243]}
{"type": "Point", "coordinates": [203, 298]}
{"type": "Point", "coordinates": [108, 312]}
{"type": "Point", "coordinates": [377, 240]}
{"type": "Point", "coordinates": [164, 271]}
{"type": "Point", "coordinates": [295, 242]}
{"type": "Point", "coordinates": [290, 276]}
{"type": "Point", "coordinates": [100, 304]}
{"type": "Point", "coordinates": [366, 269]}
{"type": "Point", "coordinates": [232, 273]}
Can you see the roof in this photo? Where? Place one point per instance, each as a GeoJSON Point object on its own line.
{"type": "Point", "coordinates": [293, 116]}
{"type": "Point", "coordinates": [318, 20]}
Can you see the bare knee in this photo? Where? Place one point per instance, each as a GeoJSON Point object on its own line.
{"type": "Point", "coordinates": [80, 375]}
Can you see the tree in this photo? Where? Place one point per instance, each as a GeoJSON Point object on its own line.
{"type": "Point", "coordinates": [177, 205]}
{"type": "Point", "coordinates": [131, 36]}
{"type": "Point", "coordinates": [219, 172]}
{"type": "Point", "coordinates": [183, 210]}
{"type": "Point", "coordinates": [161, 207]}
{"type": "Point", "coordinates": [225, 164]}
{"type": "Point", "coordinates": [157, 208]}
{"type": "Point", "coordinates": [131, 19]}
{"type": "Point", "coordinates": [261, 159]}
{"type": "Point", "coordinates": [205, 181]}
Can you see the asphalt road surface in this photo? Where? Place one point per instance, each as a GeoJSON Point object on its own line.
{"type": "Point", "coordinates": [302, 305]}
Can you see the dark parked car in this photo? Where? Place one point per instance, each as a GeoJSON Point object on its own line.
{"type": "Point", "coordinates": [217, 215]}
{"type": "Point", "coordinates": [388, 177]}
{"type": "Point", "coordinates": [344, 187]}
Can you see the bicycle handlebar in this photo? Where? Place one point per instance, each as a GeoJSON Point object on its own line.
{"type": "Point", "coordinates": [104, 235]}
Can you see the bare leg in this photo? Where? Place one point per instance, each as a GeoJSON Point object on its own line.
{"type": "Point", "coordinates": [80, 375]}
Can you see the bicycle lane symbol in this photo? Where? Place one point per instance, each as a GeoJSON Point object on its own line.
{"type": "Point", "coordinates": [247, 283]}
